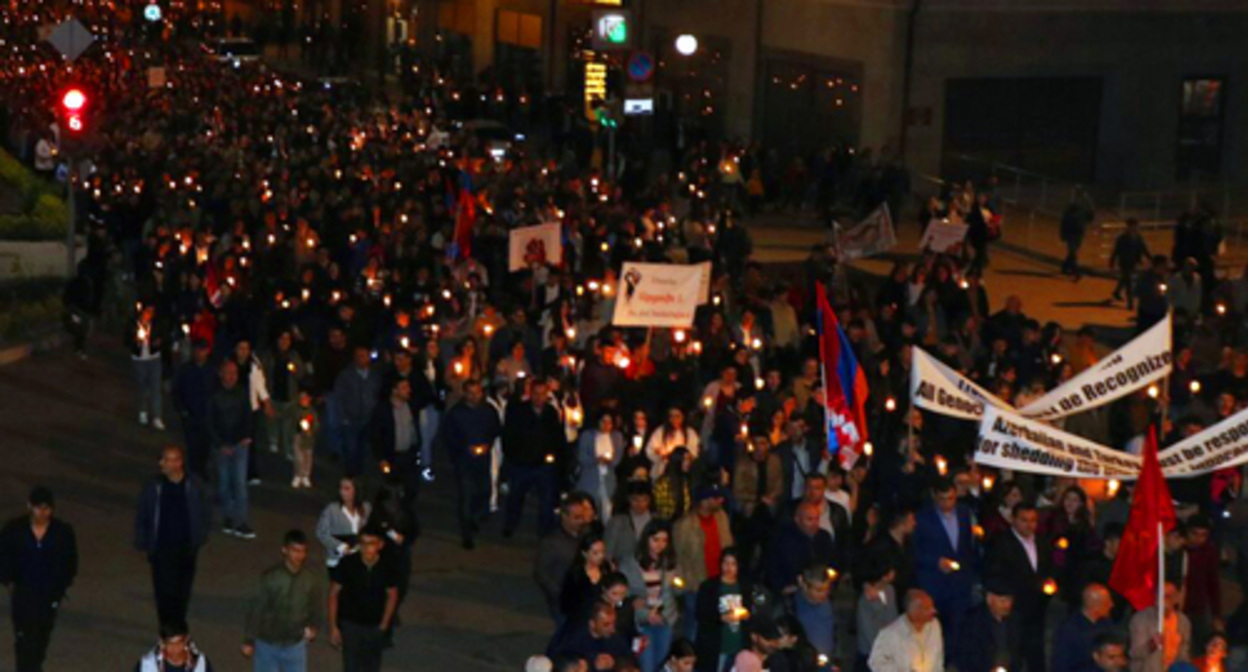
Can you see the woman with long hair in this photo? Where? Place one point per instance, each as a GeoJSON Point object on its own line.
{"type": "Point", "coordinates": [651, 581]}
{"type": "Point", "coordinates": [1069, 526]}
{"type": "Point", "coordinates": [581, 583]}
{"type": "Point", "coordinates": [724, 604]}
{"type": "Point", "coordinates": [1000, 514]}
{"type": "Point", "coordinates": [341, 521]}
{"type": "Point", "coordinates": [672, 434]}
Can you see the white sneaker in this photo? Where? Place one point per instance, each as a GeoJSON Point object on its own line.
{"type": "Point", "coordinates": [143, 418]}
{"type": "Point", "coordinates": [296, 482]}
{"type": "Point", "coordinates": [307, 482]}
{"type": "Point", "coordinates": [158, 425]}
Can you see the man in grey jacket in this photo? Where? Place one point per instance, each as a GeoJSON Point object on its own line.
{"type": "Point", "coordinates": [230, 431]}
{"type": "Point", "coordinates": [357, 391]}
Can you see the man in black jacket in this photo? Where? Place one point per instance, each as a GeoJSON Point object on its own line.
{"type": "Point", "coordinates": [991, 637]}
{"type": "Point", "coordinates": [397, 441]}
{"type": "Point", "coordinates": [230, 427]}
{"type": "Point", "coordinates": [533, 442]}
{"type": "Point", "coordinates": [38, 562]}
{"type": "Point", "coordinates": [800, 543]}
{"type": "Point", "coordinates": [172, 524]}
{"type": "Point", "coordinates": [1022, 561]}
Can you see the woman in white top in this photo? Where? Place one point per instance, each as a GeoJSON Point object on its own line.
{"type": "Point", "coordinates": [671, 435]}
{"type": "Point", "coordinates": [343, 518]}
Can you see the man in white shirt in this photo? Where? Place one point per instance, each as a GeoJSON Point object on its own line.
{"type": "Point", "coordinates": [913, 642]}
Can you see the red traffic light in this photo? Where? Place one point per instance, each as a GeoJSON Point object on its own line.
{"type": "Point", "coordinates": [74, 100]}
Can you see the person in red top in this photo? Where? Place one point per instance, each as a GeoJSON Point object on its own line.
{"type": "Point", "coordinates": [1202, 579]}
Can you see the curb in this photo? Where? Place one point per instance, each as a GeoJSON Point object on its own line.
{"type": "Point", "coordinates": [16, 353]}
{"type": "Point", "coordinates": [1051, 260]}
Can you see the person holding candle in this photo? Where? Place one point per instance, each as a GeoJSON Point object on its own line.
{"type": "Point", "coordinates": [946, 556]}
{"type": "Point", "coordinates": [145, 339]}
{"type": "Point", "coordinates": [468, 433]}
{"type": "Point", "coordinates": [1022, 560]}
{"type": "Point", "coordinates": [533, 441]}
{"type": "Point", "coordinates": [598, 452]}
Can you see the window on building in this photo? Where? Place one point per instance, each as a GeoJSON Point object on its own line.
{"type": "Point", "coordinates": [1200, 128]}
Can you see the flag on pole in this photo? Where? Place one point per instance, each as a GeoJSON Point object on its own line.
{"type": "Point", "coordinates": [844, 386]}
{"type": "Point", "coordinates": [465, 219]}
{"type": "Point", "coordinates": [1139, 565]}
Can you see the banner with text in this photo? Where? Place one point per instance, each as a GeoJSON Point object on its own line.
{"type": "Point", "coordinates": [529, 245]}
{"type": "Point", "coordinates": [1145, 359]}
{"type": "Point", "coordinates": [869, 237]}
{"type": "Point", "coordinates": [942, 235]}
{"type": "Point", "coordinates": [1218, 447]}
{"type": "Point", "coordinates": [658, 295]}
{"type": "Point", "coordinates": [1010, 441]}
{"type": "Point", "coordinates": [936, 387]}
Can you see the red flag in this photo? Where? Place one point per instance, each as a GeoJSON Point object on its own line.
{"type": "Point", "coordinates": [1136, 567]}
{"type": "Point", "coordinates": [465, 219]}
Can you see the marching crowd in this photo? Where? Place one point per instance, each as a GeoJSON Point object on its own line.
{"type": "Point", "coordinates": [320, 284]}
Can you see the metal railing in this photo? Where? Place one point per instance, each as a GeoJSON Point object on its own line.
{"type": "Point", "coordinates": [1170, 204]}
{"type": "Point", "coordinates": [1025, 189]}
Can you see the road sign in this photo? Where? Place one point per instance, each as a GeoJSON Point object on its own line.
{"type": "Point", "coordinates": [640, 66]}
{"type": "Point", "coordinates": [71, 38]}
{"type": "Point", "coordinates": [613, 29]}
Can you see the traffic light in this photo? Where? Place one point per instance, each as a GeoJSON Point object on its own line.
{"type": "Point", "coordinates": [74, 104]}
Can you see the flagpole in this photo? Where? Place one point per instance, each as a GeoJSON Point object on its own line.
{"type": "Point", "coordinates": [1161, 578]}
{"type": "Point", "coordinates": [823, 370]}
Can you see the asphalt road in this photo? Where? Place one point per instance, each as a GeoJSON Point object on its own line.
{"type": "Point", "coordinates": [71, 425]}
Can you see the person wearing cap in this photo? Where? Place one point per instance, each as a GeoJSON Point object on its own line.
{"type": "Point", "coordinates": [991, 636]}
{"type": "Point", "coordinates": [1073, 643]}
{"type": "Point", "coordinates": [38, 563]}
{"type": "Point", "coordinates": [701, 535]}
{"type": "Point", "coordinates": [192, 389]}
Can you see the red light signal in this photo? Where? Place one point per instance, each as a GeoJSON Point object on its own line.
{"type": "Point", "coordinates": [74, 100]}
{"type": "Point", "coordinates": [74, 103]}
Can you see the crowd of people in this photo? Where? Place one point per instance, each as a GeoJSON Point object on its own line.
{"type": "Point", "coordinates": [318, 279]}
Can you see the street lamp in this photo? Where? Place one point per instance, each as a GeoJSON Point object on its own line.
{"type": "Point", "coordinates": [687, 45]}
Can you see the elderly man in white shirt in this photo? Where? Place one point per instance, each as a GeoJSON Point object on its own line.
{"type": "Point", "coordinates": [913, 642]}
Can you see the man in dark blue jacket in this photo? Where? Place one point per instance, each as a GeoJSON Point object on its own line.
{"type": "Point", "coordinates": [1075, 639]}
{"type": "Point", "coordinates": [533, 445]}
{"type": "Point", "coordinates": [172, 524]}
{"type": "Point", "coordinates": [192, 388]}
{"type": "Point", "coordinates": [800, 544]}
{"type": "Point", "coordinates": [230, 428]}
{"type": "Point", "coordinates": [38, 562]}
{"type": "Point", "coordinates": [991, 637]}
{"type": "Point", "coordinates": [946, 556]}
{"type": "Point", "coordinates": [468, 432]}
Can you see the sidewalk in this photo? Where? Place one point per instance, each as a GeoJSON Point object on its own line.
{"type": "Point", "coordinates": [1015, 268]}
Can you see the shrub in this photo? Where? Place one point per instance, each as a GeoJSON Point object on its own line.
{"type": "Point", "coordinates": [45, 213]}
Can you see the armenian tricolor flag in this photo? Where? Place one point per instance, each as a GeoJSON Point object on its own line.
{"type": "Point", "coordinates": [844, 386]}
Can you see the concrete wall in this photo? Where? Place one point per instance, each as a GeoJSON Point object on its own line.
{"type": "Point", "coordinates": [1141, 57]}
{"type": "Point", "coordinates": [870, 34]}
{"type": "Point", "coordinates": [732, 21]}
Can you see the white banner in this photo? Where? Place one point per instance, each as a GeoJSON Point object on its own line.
{"type": "Point", "coordinates": [938, 388]}
{"type": "Point", "coordinates": [1127, 369]}
{"type": "Point", "coordinates": [869, 237]}
{"type": "Point", "coordinates": [1009, 441]}
{"type": "Point", "coordinates": [1218, 447]}
{"type": "Point", "coordinates": [658, 295]}
{"type": "Point", "coordinates": [541, 244]}
{"type": "Point", "coordinates": [941, 235]}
